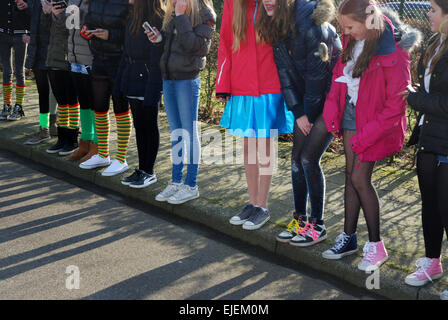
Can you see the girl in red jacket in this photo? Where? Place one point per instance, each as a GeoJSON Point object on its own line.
{"type": "Point", "coordinates": [248, 82]}
{"type": "Point", "coordinates": [365, 107]}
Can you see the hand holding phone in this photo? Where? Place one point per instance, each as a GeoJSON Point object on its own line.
{"type": "Point", "coordinates": [410, 88]}
{"type": "Point", "coordinates": [152, 33]}
{"type": "Point", "coordinates": [60, 4]}
{"type": "Point", "coordinates": [148, 27]}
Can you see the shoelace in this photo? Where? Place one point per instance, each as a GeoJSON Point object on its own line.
{"type": "Point", "coordinates": [422, 266]}
{"type": "Point", "coordinates": [369, 252]}
{"type": "Point", "coordinates": [312, 232]}
{"type": "Point", "coordinates": [294, 224]}
{"type": "Point", "coordinates": [341, 240]}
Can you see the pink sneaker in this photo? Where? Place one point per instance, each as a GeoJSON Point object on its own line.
{"type": "Point", "coordinates": [427, 270]}
{"type": "Point", "coordinates": [375, 255]}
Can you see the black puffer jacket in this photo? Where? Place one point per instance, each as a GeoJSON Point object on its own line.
{"type": "Point", "coordinates": [40, 38]}
{"type": "Point", "coordinates": [186, 48]}
{"type": "Point", "coordinates": [13, 20]}
{"type": "Point", "coordinates": [110, 15]}
{"type": "Point", "coordinates": [433, 134]}
{"type": "Point", "coordinates": [305, 61]}
{"type": "Point", "coordinates": [139, 72]}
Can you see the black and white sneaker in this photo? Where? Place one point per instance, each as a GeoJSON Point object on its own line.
{"type": "Point", "coordinates": [293, 229]}
{"type": "Point", "coordinates": [257, 219]}
{"type": "Point", "coordinates": [132, 178]}
{"type": "Point", "coordinates": [144, 180]}
{"type": "Point", "coordinates": [7, 109]}
{"type": "Point", "coordinates": [311, 234]}
{"type": "Point", "coordinates": [242, 217]}
{"type": "Point", "coordinates": [17, 113]}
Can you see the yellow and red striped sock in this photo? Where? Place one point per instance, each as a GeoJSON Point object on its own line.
{"type": "Point", "coordinates": [20, 94]}
{"type": "Point", "coordinates": [63, 115]}
{"type": "Point", "coordinates": [7, 93]}
{"type": "Point", "coordinates": [73, 116]}
{"type": "Point", "coordinates": [102, 124]}
{"type": "Point", "coordinates": [124, 126]}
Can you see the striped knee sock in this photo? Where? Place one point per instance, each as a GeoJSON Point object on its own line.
{"type": "Point", "coordinates": [7, 93]}
{"type": "Point", "coordinates": [102, 124]}
{"type": "Point", "coordinates": [124, 125]}
{"type": "Point", "coordinates": [20, 94]}
{"type": "Point", "coordinates": [73, 116]}
{"type": "Point", "coordinates": [63, 114]}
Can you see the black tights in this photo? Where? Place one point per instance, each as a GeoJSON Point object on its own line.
{"type": "Point", "coordinates": [146, 134]}
{"type": "Point", "coordinates": [102, 87]}
{"type": "Point", "coordinates": [63, 87]}
{"type": "Point", "coordinates": [433, 183]}
{"type": "Point", "coordinates": [307, 177]}
{"type": "Point", "coordinates": [359, 192]}
{"type": "Point", "coordinates": [43, 88]}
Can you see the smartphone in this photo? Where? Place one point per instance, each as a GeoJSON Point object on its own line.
{"type": "Point", "coordinates": [91, 31]}
{"type": "Point", "coordinates": [147, 26]}
{"type": "Point", "coordinates": [410, 88]}
{"type": "Point", "coordinates": [60, 4]}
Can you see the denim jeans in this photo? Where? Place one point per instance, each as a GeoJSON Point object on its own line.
{"type": "Point", "coordinates": [181, 99]}
{"type": "Point", "coordinates": [7, 43]}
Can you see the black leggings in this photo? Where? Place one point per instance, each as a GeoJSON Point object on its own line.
{"type": "Point", "coordinates": [83, 86]}
{"type": "Point", "coordinates": [146, 134]}
{"type": "Point", "coordinates": [307, 177]}
{"type": "Point", "coordinates": [360, 192]}
{"type": "Point", "coordinates": [43, 88]}
{"type": "Point", "coordinates": [102, 87]}
{"type": "Point", "coordinates": [433, 183]}
{"type": "Point", "coordinates": [63, 88]}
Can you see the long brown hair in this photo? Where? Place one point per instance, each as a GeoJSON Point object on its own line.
{"type": "Point", "coordinates": [239, 23]}
{"type": "Point", "coordinates": [145, 9]}
{"type": "Point", "coordinates": [432, 48]}
{"type": "Point", "coordinates": [275, 29]}
{"type": "Point", "coordinates": [359, 10]}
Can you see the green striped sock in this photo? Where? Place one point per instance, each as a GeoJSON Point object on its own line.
{"type": "Point", "coordinates": [124, 126]}
{"type": "Point", "coordinates": [102, 124]}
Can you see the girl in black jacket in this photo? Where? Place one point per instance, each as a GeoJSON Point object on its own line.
{"type": "Point", "coordinates": [305, 45]}
{"type": "Point", "coordinates": [431, 100]}
{"type": "Point", "coordinates": [140, 82]}
{"type": "Point", "coordinates": [106, 24]}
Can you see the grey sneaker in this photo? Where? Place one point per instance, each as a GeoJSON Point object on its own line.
{"type": "Point", "coordinates": [17, 113]}
{"type": "Point", "coordinates": [170, 190]}
{"type": "Point", "coordinates": [40, 136]}
{"type": "Point", "coordinates": [243, 216]}
{"type": "Point", "coordinates": [258, 218]}
{"type": "Point", "coordinates": [7, 109]}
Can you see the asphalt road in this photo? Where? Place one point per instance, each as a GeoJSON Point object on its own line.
{"type": "Point", "coordinates": [61, 238]}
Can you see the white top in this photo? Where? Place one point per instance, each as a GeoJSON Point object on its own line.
{"type": "Point", "coordinates": [352, 83]}
{"type": "Point", "coordinates": [428, 74]}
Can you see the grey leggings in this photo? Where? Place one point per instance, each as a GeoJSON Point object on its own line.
{"type": "Point", "coordinates": [7, 43]}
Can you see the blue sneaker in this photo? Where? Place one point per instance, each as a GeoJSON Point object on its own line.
{"type": "Point", "coordinates": [345, 245]}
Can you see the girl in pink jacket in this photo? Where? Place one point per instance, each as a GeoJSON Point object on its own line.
{"type": "Point", "coordinates": [365, 107]}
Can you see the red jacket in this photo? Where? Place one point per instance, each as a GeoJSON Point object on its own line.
{"type": "Point", "coordinates": [251, 71]}
{"type": "Point", "coordinates": [380, 110]}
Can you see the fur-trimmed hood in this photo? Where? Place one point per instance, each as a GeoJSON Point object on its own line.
{"type": "Point", "coordinates": [408, 37]}
{"type": "Point", "coordinates": [325, 11]}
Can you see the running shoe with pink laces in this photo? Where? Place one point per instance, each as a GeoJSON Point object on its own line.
{"type": "Point", "coordinates": [427, 270]}
{"type": "Point", "coordinates": [375, 255]}
{"type": "Point", "coordinates": [311, 234]}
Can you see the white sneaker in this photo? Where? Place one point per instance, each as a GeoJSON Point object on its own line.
{"type": "Point", "coordinates": [171, 189]}
{"type": "Point", "coordinates": [184, 194]}
{"type": "Point", "coordinates": [95, 162]}
{"type": "Point", "coordinates": [116, 167]}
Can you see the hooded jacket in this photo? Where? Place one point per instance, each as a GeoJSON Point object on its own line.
{"type": "Point", "coordinates": [78, 47]}
{"type": "Point", "coordinates": [380, 109]}
{"type": "Point", "coordinates": [251, 70]}
{"type": "Point", "coordinates": [39, 38]}
{"type": "Point", "coordinates": [305, 62]}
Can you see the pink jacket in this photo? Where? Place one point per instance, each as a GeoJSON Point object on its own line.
{"type": "Point", "coordinates": [380, 110]}
{"type": "Point", "coordinates": [251, 71]}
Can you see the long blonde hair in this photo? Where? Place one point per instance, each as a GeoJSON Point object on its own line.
{"type": "Point", "coordinates": [193, 9]}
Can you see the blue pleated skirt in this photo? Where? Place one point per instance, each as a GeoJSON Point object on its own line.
{"type": "Point", "coordinates": [265, 116]}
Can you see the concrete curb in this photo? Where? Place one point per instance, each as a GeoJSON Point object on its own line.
{"type": "Point", "coordinates": [216, 217]}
